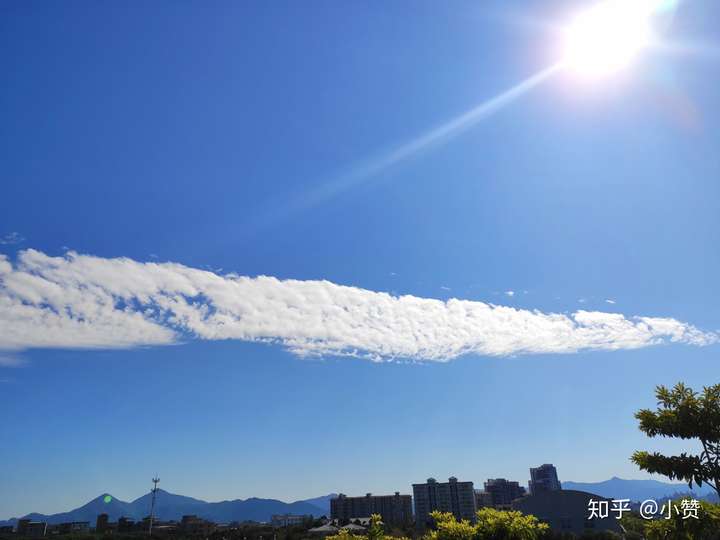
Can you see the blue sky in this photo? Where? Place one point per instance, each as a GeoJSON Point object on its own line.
{"type": "Point", "coordinates": [197, 135]}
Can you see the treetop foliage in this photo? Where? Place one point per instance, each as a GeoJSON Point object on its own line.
{"type": "Point", "coordinates": [491, 524]}
{"type": "Point", "coordinates": [684, 414]}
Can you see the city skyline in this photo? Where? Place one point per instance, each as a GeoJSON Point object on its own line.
{"type": "Point", "coordinates": [245, 246]}
{"type": "Point", "coordinates": [499, 495]}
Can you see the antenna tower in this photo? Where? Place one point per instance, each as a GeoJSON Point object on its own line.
{"type": "Point", "coordinates": [152, 504]}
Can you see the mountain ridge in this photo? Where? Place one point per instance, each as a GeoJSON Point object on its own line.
{"type": "Point", "coordinates": [638, 490]}
{"type": "Point", "coordinates": [170, 506]}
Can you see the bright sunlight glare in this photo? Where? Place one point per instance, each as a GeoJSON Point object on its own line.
{"type": "Point", "coordinates": [608, 36]}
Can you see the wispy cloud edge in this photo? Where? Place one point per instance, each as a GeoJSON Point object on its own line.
{"type": "Point", "coordinates": [11, 239]}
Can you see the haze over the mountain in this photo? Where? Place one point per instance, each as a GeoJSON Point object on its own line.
{"type": "Point", "coordinates": [637, 490]}
{"type": "Point", "coordinates": [170, 506]}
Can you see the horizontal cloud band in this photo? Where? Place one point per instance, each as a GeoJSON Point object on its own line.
{"type": "Point", "coordinates": [80, 301]}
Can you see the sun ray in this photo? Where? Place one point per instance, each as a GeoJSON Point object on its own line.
{"type": "Point", "coordinates": [404, 152]}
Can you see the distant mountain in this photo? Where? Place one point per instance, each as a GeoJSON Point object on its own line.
{"type": "Point", "coordinates": [322, 502]}
{"type": "Point", "coordinates": [636, 490]}
{"type": "Point", "coordinates": [169, 506]}
{"type": "Point", "coordinates": [87, 512]}
{"type": "Point", "coordinates": [255, 509]}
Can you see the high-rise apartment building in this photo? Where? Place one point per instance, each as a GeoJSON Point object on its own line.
{"type": "Point", "coordinates": [451, 496]}
{"type": "Point", "coordinates": [544, 478]}
{"type": "Point", "coordinates": [502, 492]}
{"type": "Point", "coordinates": [395, 510]}
{"type": "Point", "coordinates": [482, 499]}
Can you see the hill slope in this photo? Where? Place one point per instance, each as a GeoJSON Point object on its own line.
{"type": "Point", "coordinates": [321, 502]}
{"type": "Point", "coordinates": [636, 490]}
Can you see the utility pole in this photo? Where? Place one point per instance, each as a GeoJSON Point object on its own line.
{"type": "Point", "coordinates": [152, 504]}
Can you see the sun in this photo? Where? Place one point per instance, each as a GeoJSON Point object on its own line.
{"type": "Point", "coordinates": [608, 36]}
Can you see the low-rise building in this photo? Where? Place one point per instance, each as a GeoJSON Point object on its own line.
{"type": "Point", "coordinates": [31, 529]}
{"type": "Point", "coordinates": [354, 528]}
{"type": "Point", "coordinates": [103, 525]}
{"type": "Point", "coordinates": [192, 525]}
{"type": "Point", "coordinates": [74, 527]}
{"type": "Point", "coordinates": [290, 520]}
{"type": "Point", "coordinates": [363, 522]}
{"type": "Point", "coordinates": [125, 525]}
{"type": "Point", "coordinates": [164, 529]}
{"type": "Point", "coordinates": [324, 530]}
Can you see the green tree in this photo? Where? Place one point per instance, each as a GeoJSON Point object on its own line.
{"type": "Point", "coordinates": [634, 526]}
{"type": "Point", "coordinates": [491, 524]}
{"type": "Point", "coordinates": [344, 534]}
{"type": "Point", "coordinates": [449, 528]}
{"type": "Point", "coordinates": [496, 524]}
{"type": "Point", "coordinates": [680, 527]}
{"type": "Point", "coordinates": [376, 531]}
{"type": "Point", "coordinates": [684, 414]}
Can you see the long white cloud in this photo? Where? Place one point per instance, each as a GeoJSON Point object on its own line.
{"type": "Point", "coordinates": [81, 301]}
